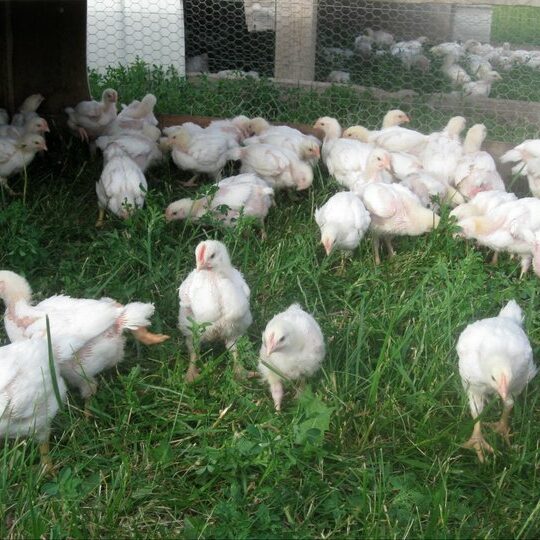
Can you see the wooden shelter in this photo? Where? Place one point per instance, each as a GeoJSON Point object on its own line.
{"type": "Point", "coordinates": [43, 50]}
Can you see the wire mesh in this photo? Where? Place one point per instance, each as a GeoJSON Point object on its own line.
{"type": "Point", "coordinates": [298, 59]}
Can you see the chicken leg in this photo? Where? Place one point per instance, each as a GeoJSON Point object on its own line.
{"type": "Point", "coordinates": [503, 425]}
{"type": "Point", "coordinates": [101, 218]}
{"type": "Point", "coordinates": [376, 251]}
{"type": "Point", "coordinates": [193, 371]}
{"type": "Point", "coordinates": [83, 134]}
{"type": "Point", "coordinates": [143, 335]}
{"type": "Point", "coordinates": [277, 394]}
{"type": "Point", "coordinates": [525, 263]}
{"type": "Point", "coordinates": [4, 184]}
{"type": "Point", "coordinates": [495, 258]}
{"type": "Point", "coordinates": [478, 443]}
{"type": "Point", "coordinates": [46, 460]}
{"type": "Point", "coordinates": [191, 182]}
{"type": "Point", "coordinates": [389, 246]}
{"type": "Point", "coordinates": [240, 372]}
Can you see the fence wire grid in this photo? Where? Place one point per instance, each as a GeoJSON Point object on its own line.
{"type": "Point", "coordinates": [294, 60]}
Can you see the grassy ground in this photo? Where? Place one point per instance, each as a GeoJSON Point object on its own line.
{"type": "Point", "coordinates": [371, 449]}
{"type": "Point", "coordinates": [516, 24]}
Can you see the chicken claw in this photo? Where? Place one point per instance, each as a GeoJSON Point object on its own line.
{"type": "Point", "coordinates": [478, 443]}
{"type": "Point", "coordinates": [143, 335]}
{"type": "Point", "coordinates": [192, 182]}
{"type": "Point", "coordinates": [192, 373]}
{"type": "Point", "coordinates": [83, 134]}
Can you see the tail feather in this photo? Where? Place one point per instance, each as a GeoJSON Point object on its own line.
{"type": "Point", "coordinates": [512, 311]}
{"type": "Point", "coordinates": [136, 314]}
{"type": "Point", "coordinates": [511, 155]}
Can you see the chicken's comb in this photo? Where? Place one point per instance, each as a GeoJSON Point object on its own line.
{"type": "Point", "coordinates": [201, 250]}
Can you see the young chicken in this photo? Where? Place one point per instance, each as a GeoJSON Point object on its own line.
{"type": "Point", "coordinates": [521, 154]}
{"type": "Point", "coordinates": [454, 72]}
{"type": "Point", "coordinates": [495, 357]}
{"type": "Point", "coordinates": [244, 194]}
{"type": "Point", "coordinates": [279, 167]}
{"type": "Point", "coordinates": [507, 227]}
{"type": "Point", "coordinates": [345, 159]}
{"type": "Point", "coordinates": [138, 146]}
{"type": "Point", "coordinates": [99, 324]}
{"type": "Point", "coordinates": [133, 118]}
{"type": "Point", "coordinates": [215, 297]}
{"type": "Point", "coordinates": [35, 125]}
{"type": "Point", "coordinates": [476, 170]}
{"type": "Point", "coordinates": [201, 152]}
{"type": "Point", "coordinates": [378, 168]}
{"type": "Point", "coordinates": [90, 119]}
{"type": "Point", "coordinates": [443, 150]}
{"type": "Point", "coordinates": [305, 147]}
{"type": "Point", "coordinates": [425, 186]}
{"type": "Point", "coordinates": [292, 345]}
{"type": "Point", "coordinates": [121, 187]}
{"type": "Point", "coordinates": [343, 221]}
{"type": "Point", "coordinates": [28, 402]}
{"type": "Point", "coordinates": [237, 127]}
{"type": "Point", "coordinates": [27, 110]}
{"type": "Point", "coordinates": [395, 210]}
{"type": "Point", "coordinates": [16, 155]}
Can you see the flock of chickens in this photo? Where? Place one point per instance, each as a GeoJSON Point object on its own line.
{"type": "Point", "coordinates": [471, 66]}
{"type": "Point", "coordinates": [394, 178]}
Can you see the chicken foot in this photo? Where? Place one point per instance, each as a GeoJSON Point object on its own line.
{"type": "Point", "coordinates": [502, 427]}
{"type": "Point", "coordinates": [45, 457]}
{"type": "Point", "coordinates": [4, 184]}
{"type": "Point", "coordinates": [389, 247]}
{"type": "Point", "coordinates": [191, 182]}
{"type": "Point", "coordinates": [478, 443]}
{"type": "Point", "coordinates": [143, 335]}
{"type": "Point", "coordinates": [276, 388]}
{"type": "Point", "coordinates": [83, 134]}
{"type": "Point", "coordinates": [240, 372]}
{"type": "Point", "coordinates": [101, 218]}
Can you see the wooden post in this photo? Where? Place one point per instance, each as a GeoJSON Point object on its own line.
{"type": "Point", "coordinates": [296, 39]}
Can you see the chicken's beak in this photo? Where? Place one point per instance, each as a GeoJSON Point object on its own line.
{"type": "Point", "coordinates": [201, 265]}
{"type": "Point", "coordinates": [387, 163]}
{"type": "Point", "coordinates": [270, 346]}
{"type": "Point", "coordinates": [317, 152]}
{"type": "Point", "coordinates": [407, 118]}
{"type": "Point", "coordinates": [43, 146]}
{"type": "Point", "coordinates": [328, 245]}
{"type": "Point", "coordinates": [46, 128]}
{"type": "Point", "coordinates": [502, 387]}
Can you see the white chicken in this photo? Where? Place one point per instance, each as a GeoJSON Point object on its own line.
{"type": "Point", "coordinates": [35, 125]}
{"type": "Point", "coordinates": [378, 168]}
{"type": "Point", "coordinates": [90, 119]}
{"type": "Point", "coordinates": [99, 324]}
{"type": "Point", "coordinates": [363, 46]}
{"type": "Point", "coordinates": [508, 227]}
{"type": "Point", "coordinates": [140, 148]}
{"type": "Point", "coordinates": [426, 187]}
{"type": "Point", "coordinates": [306, 147]}
{"type": "Point", "coordinates": [214, 303]}
{"type": "Point", "coordinates": [521, 154]}
{"type": "Point", "coordinates": [483, 86]}
{"type": "Point", "coordinates": [292, 345]}
{"type": "Point", "coordinates": [28, 402]}
{"type": "Point", "coordinates": [27, 110]}
{"type": "Point", "coordinates": [343, 221]}
{"type": "Point", "coordinates": [482, 203]}
{"type": "Point", "coordinates": [279, 167]}
{"type": "Point", "coordinates": [121, 187]}
{"type": "Point", "coordinates": [380, 37]}
{"type": "Point", "coordinates": [395, 211]}
{"type": "Point", "coordinates": [337, 76]}
{"type": "Point", "coordinates": [16, 155]}
{"type": "Point", "coordinates": [495, 357]}
{"type": "Point", "coordinates": [202, 152]}
{"type": "Point", "coordinates": [454, 72]}
{"type": "Point", "coordinates": [244, 194]}
{"type": "Point", "coordinates": [533, 176]}
{"type": "Point", "coordinates": [443, 150]}
{"type": "Point", "coordinates": [476, 170]}
{"type": "Point", "coordinates": [237, 127]}
{"type": "Point", "coordinates": [449, 48]}
{"type": "Point", "coordinates": [134, 117]}
{"type": "Point", "coordinates": [345, 158]}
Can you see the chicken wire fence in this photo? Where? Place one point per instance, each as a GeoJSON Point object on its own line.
{"type": "Point", "coordinates": [298, 59]}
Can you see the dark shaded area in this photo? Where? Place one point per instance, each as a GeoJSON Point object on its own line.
{"type": "Point", "coordinates": [43, 50]}
{"type": "Point", "coordinates": [219, 29]}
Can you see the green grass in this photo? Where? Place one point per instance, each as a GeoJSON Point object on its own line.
{"type": "Point", "coordinates": [373, 447]}
{"type": "Point", "coordinates": [516, 24]}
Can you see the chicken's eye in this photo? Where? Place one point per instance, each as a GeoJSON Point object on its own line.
{"type": "Point", "coordinates": [212, 256]}
{"type": "Point", "coordinates": [493, 378]}
{"type": "Point", "coordinates": [281, 339]}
